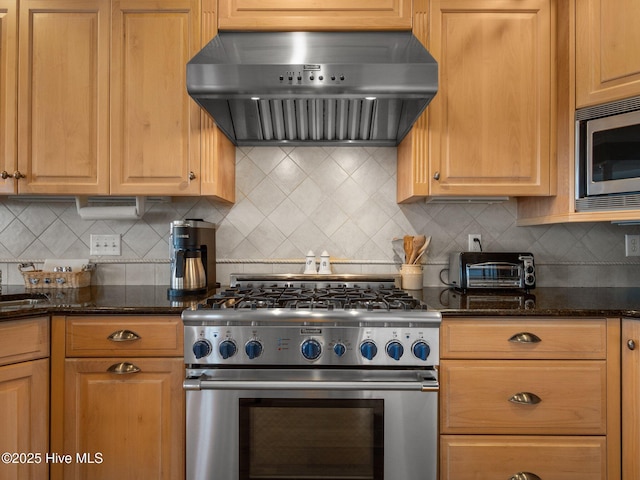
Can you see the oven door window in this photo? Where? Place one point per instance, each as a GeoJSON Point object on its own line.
{"type": "Point", "coordinates": [323, 439]}
{"type": "Point", "coordinates": [496, 275]}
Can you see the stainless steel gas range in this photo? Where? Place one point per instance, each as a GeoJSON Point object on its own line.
{"type": "Point", "coordinates": [325, 377]}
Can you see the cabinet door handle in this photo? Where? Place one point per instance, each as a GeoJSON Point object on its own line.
{"type": "Point", "coordinates": [4, 175]}
{"type": "Point", "coordinates": [192, 176]}
{"type": "Point", "coordinates": [631, 344]}
{"type": "Point", "coordinates": [525, 398]}
{"type": "Point", "coordinates": [124, 336]}
{"type": "Point", "coordinates": [436, 176]}
{"type": "Point", "coordinates": [525, 337]}
{"type": "Point", "coordinates": [123, 368]}
{"type": "Point", "coordinates": [524, 476]}
{"type": "Point", "coordinates": [17, 175]}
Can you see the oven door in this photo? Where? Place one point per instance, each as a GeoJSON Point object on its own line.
{"type": "Point", "coordinates": [311, 424]}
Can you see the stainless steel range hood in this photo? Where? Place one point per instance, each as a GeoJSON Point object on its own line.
{"type": "Point", "coordinates": [313, 88]}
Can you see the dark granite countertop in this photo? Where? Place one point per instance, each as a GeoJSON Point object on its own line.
{"type": "Point", "coordinates": [144, 300]}
{"type": "Point", "coordinates": [102, 300]}
{"type": "Point", "coordinates": [616, 302]}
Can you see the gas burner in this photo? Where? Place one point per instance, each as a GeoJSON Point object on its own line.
{"type": "Point", "coordinates": [346, 298]}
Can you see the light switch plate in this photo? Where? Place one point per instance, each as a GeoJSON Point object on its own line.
{"type": "Point", "coordinates": [105, 245]}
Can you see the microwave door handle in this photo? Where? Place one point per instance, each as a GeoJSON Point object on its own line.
{"type": "Point", "coordinates": [200, 384]}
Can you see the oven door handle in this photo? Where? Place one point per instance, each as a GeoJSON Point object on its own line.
{"type": "Point", "coordinates": [203, 384]}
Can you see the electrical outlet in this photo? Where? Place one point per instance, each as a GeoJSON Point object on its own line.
{"type": "Point", "coordinates": [632, 245]}
{"type": "Point", "coordinates": [475, 242]}
{"type": "Point", "coordinates": [105, 245]}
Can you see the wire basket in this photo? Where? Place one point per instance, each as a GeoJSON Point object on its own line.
{"type": "Point", "coordinates": [38, 279]}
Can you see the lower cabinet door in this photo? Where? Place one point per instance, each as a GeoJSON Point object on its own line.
{"type": "Point", "coordinates": [24, 420]}
{"type": "Point", "coordinates": [477, 457]}
{"type": "Point", "coordinates": [124, 419]}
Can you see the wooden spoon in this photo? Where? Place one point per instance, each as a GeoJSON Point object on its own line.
{"type": "Point", "coordinates": [408, 247]}
{"type": "Point", "coordinates": [422, 249]}
{"type": "Point", "coordinates": [418, 243]}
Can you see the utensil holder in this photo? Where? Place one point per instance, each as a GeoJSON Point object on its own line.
{"type": "Point", "coordinates": [412, 276]}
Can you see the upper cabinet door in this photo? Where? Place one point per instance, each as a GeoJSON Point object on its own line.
{"type": "Point", "coordinates": [63, 95]}
{"type": "Point", "coordinates": [492, 120]}
{"type": "Point", "coordinates": [155, 127]}
{"type": "Point", "coordinates": [8, 93]}
{"type": "Point", "coordinates": [607, 51]}
{"type": "Point", "coordinates": [314, 14]}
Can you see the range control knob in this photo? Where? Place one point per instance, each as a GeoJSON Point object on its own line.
{"type": "Point", "coordinates": [253, 349]}
{"type": "Point", "coordinates": [201, 348]}
{"type": "Point", "coordinates": [421, 350]}
{"type": "Point", "coordinates": [395, 349]}
{"type": "Point", "coordinates": [368, 349]}
{"type": "Point", "coordinates": [227, 349]}
{"type": "Point", "coordinates": [339, 349]}
{"type": "Point", "coordinates": [311, 349]}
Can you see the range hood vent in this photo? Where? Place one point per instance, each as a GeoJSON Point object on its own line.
{"type": "Point", "coordinates": [313, 88]}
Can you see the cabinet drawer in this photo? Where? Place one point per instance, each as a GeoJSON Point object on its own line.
{"type": "Point", "coordinates": [124, 335]}
{"type": "Point", "coordinates": [478, 397]}
{"type": "Point", "coordinates": [465, 457]}
{"type": "Point", "coordinates": [514, 338]}
{"type": "Point", "coordinates": [22, 340]}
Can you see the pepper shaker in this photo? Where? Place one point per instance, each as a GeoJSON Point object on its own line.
{"type": "Point", "coordinates": [325, 264]}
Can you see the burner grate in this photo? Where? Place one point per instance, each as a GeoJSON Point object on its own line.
{"type": "Point", "coordinates": [326, 298]}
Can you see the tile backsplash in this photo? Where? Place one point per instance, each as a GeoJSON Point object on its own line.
{"type": "Point", "coordinates": [292, 200]}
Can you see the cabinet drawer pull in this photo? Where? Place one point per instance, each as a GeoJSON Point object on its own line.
{"type": "Point", "coordinates": [525, 337]}
{"type": "Point", "coordinates": [123, 368]}
{"type": "Point", "coordinates": [124, 336]}
{"type": "Point", "coordinates": [631, 344]}
{"type": "Point", "coordinates": [525, 398]}
{"type": "Point", "coordinates": [525, 476]}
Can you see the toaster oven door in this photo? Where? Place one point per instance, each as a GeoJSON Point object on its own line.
{"type": "Point", "coordinates": [494, 275]}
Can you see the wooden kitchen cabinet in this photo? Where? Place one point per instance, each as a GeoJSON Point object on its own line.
{"type": "Point", "coordinates": [607, 51]}
{"type": "Point", "coordinates": [475, 457]}
{"type": "Point", "coordinates": [537, 395]}
{"type": "Point", "coordinates": [154, 123]}
{"type": "Point", "coordinates": [24, 397]}
{"type": "Point", "coordinates": [598, 61]}
{"type": "Point", "coordinates": [481, 397]}
{"type": "Point", "coordinates": [8, 92]}
{"type": "Point", "coordinates": [102, 102]}
{"type": "Point", "coordinates": [134, 420]}
{"type": "Point", "coordinates": [314, 15]}
{"type": "Point", "coordinates": [161, 141]}
{"type": "Point", "coordinates": [122, 396]}
{"type": "Point", "coordinates": [630, 399]}
{"type": "Point", "coordinates": [491, 125]}
{"type": "Point", "coordinates": [63, 97]}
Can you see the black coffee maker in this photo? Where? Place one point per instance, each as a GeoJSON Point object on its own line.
{"type": "Point", "coordinates": [192, 252]}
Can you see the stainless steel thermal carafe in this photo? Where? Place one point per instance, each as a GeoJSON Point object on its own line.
{"type": "Point", "coordinates": [192, 257]}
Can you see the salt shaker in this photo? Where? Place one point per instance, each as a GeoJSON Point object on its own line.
{"type": "Point", "coordinates": [310, 263]}
{"type": "Point", "coordinates": [325, 264]}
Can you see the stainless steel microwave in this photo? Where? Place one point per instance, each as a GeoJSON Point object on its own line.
{"type": "Point", "coordinates": [608, 156]}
